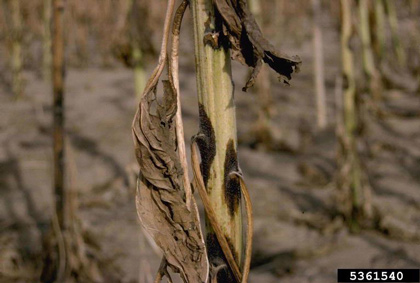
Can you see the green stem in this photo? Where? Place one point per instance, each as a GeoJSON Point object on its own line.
{"type": "Point", "coordinates": [393, 22]}
{"type": "Point", "coordinates": [139, 71]}
{"type": "Point", "coordinates": [379, 34]}
{"type": "Point", "coordinates": [16, 49]}
{"type": "Point", "coordinates": [138, 56]}
{"type": "Point", "coordinates": [262, 130]}
{"type": "Point", "coordinates": [46, 57]}
{"type": "Point", "coordinates": [368, 59]}
{"type": "Point", "coordinates": [351, 182]}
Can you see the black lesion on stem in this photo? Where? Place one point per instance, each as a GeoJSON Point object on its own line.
{"type": "Point", "coordinates": [217, 259]}
{"type": "Point", "coordinates": [231, 184]}
{"type": "Point", "coordinates": [215, 36]}
{"type": "Point", "coordinates": [206, 141]}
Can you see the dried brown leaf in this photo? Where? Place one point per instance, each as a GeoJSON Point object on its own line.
{"type": "Point", "coordinates": [161, 198]}
{"type": "Point", "coordinates": [161, 203]}
{"type": "Point", "coordinates": [249, 46]}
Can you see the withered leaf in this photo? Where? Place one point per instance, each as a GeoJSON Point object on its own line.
{"type": "Point", "coordinates": [248, 45]}
{"type": "Point", "coordinates": [160, 200]}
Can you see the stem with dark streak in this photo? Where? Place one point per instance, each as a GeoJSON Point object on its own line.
{"type": "Point", "coordinates": [218, 146]}
{"type": "Point", "coordinates": [58, 101]}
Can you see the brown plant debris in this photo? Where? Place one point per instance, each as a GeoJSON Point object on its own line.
{"type": "Point", "coordinates": [248, 45]}
{"type": "Point", "coordinates": [161, 203]}
{"type": "Point", "coordinates": [71, 254]}
{"type": "Point", "coordinates": [161, 199]}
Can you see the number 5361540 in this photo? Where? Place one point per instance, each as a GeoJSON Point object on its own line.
{"type": "Point", "coordinates": [375, 275]}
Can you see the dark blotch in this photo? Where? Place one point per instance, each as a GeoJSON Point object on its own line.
{"type": "Point", "coordinates": [232, 187]}
{"type": "Point", "coordinates": [206, 144]}
{"type": "Point", "coordinates": [345, 82]}
{"type": "Point", "coordinates": [217, 258]}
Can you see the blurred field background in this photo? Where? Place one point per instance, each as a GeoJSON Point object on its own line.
{"type": "Point", "coordinates": [290, 159]}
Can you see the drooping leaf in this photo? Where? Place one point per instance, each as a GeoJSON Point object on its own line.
{"type": "Point", "coordinates": [248, 45]}
{"type": "Point", "coordinates": [161, 203]}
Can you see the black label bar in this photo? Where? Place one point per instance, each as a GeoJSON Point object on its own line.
{"type": "Point", "coordinates": [378, 275]}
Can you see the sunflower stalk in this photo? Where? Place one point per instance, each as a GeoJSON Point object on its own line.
{"type": "Point", "coordinates": [219, 142]}
{"type": "Point", "coordinates": [17, 36]}
{"type": "Point", "coordinates": [354, 191]}
{"type": "Point", "coordinates": [369, 67]}
{"type": "Point", "coordinates": [165, 205]}
{"type": "Point", "coordinates": [225, 29]}
{"type": "Point", "coordinates": [46, 41]}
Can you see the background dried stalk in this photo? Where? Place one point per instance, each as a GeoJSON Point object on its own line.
{"type": "Point", "coordinates": [321, 100]}
{"type": "Point", "coordinates": [65, 252]}
{"type": "Point", "coordinates": [261, 130]}
{"type": "Point", "coordinates": [14, 31]}
{"type": "Point", "coordinates": [369, 66]}
{"type": "Point", "coordinates": [354, 191]}
{"type": "Point", "coordinates": [55, 258]}
{"type": "Point", "coordinates": [46, 42]}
